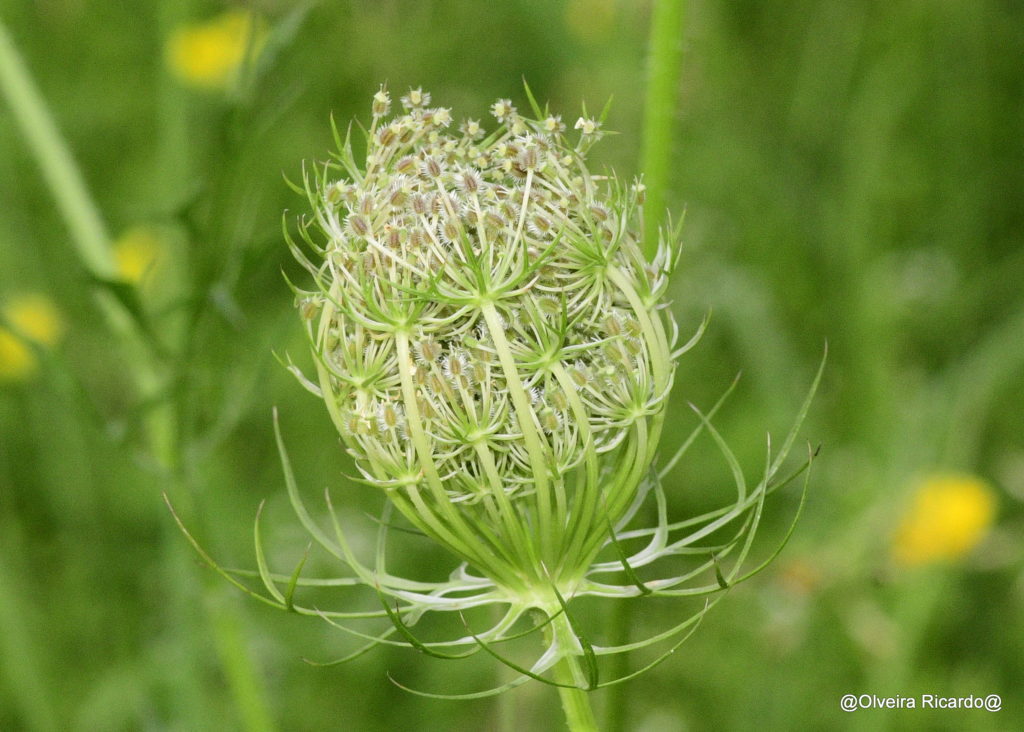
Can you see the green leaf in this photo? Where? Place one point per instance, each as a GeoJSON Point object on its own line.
{"type": "Point", "coordinates": [718, 573]}
{"type": "Point", "coordinates": [514, 666]}
{"type": "Point", "coordinates": [344, 659]}
{"type": "Point", "coordinates": [289, 594]}
{"type": "Point", "coordinates": [644, 589]}
{"type": "Point", "coordinates": [293, 494]}
{"type": "Point", "coordinates": [801, 415]}
{"type": "Point", "coordinates": [465, 697]}
{"type": "Point", "coordinates": [697, 430]}
{"type": "Point", "coordinates": [212, 564]}
{"type": "Point", "coordinates": [261, 561]}
{"type": "Point", "coordinates": [396, 619]}
{"type": "Point", "coordinates": [792, 525]}
{"type": "Point", "coordinates": [695, 620]}
{"type": "Point", "coordinates": [589, 657]}
{"type": "Point", "coordinates": [539, 115]}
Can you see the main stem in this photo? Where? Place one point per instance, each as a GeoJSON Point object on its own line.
{"type": "Point", "coordinates": [579, 717]}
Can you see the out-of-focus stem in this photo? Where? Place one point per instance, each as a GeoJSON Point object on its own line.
{"type": "Point", "coordinates": [19, 660]}
{"type": "Point", "coordinates": [88, 232]}
{"type": "Point", "coordinates": [664, 68]}
{"type": "Point", "coordinates": [665, 62]}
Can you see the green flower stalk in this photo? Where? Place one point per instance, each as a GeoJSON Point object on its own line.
{"type": "Point", "coordinates": [497, 354]}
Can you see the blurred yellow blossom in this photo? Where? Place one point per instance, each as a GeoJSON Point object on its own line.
{"type": "Point", "coordinates": [207, 55]}
{"type": "Point", "coordinates": [35, 316]}
{"type": "Point", "coordinates": [949, 516]}
{"type": "Point", "coordinates": [17, 361]}
{"type": "Point", "coordinates": [31, 317]}
{"type": "Point", "coordinates": [590, 20]}
{"type": "Point", "coordinates": [137, 253]}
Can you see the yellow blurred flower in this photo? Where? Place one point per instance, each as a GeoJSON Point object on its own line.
{"type": "Point", "coordinates": [590, 20]}
{"type": "Point", "coordinates": [137, 253]}
{"type": "Point", "coordinates": [207, 55]}
{"type": "Point", "coordinates": [949, 516]}
{"type": "Point", "coordinates": [35, 316]}
{"type": "Point", "coordinates": [17, 361]}
{"type": "Point", "coordinates": [31, 317]}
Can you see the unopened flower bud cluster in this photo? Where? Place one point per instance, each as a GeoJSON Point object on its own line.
{"type": "Point", "coordinates": [486, 326]}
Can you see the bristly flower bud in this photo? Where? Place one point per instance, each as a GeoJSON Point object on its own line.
{"type": "Point", "coordinates": [496, 353]}
{"type": "Point", "coordinates": [381, 103]}
{"type": "Point", "coordinates": [503, 110]}
{"type": "Point", "coordinates": [515, 253]}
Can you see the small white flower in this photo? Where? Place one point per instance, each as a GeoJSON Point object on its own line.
{"type": "Point", "coordinates": [502, 110]}
{"type": "Point", "coordinates": [471, 128]}
{"type": "Point", "coordinates": [440, 117]}
{"type": "Point", "coordinates": [416, 98]}
{"type": "Point", "coordinates": [554, 124]}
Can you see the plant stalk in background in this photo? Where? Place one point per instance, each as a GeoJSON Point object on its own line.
{"type": "Point", "coordinates": [664, 69]}
{"type": "Point", "coordinates": [140, 353]}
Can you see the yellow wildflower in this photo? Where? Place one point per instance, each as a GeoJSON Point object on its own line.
{"type": "Point", "coordinates": [17, 361]}
{"type": "Point", "coordinates": [35, 317]}
{"type": "Point", "coordinates": [31, 317]}
{"type": "Point", "coordinates": [949, 516]}
{"type": "Point", "coordinates": [590, 20]}
{"type": "Point", "coordinates": [208, 55]}
{"type": "Point", "coordinates": [136, 254]}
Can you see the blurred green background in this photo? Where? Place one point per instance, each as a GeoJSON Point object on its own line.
{"type": "Point", "coordinates": [851, 172]}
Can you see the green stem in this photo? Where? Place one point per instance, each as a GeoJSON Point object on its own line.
{"type": "Point", "coordinates": [28, 690]}
{"type": "Point", "coordinates": [579, 717]}
{"type": "Point", "coordinates": [240, 672]}
{"type": "Point", "coordinates": [663, 74]}
{"type": "Point", "coordinates": [615, 696]}
{"type": "Point", "coordinates": [88, 232]}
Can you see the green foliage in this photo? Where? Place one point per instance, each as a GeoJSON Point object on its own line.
{"type": "Point", "coordinates": [850, 171]}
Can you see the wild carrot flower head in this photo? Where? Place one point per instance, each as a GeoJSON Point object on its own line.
{"type": "Point", "coordinates": [496, 354]}
{"type": "Point", "coordinates": [490, 341]}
